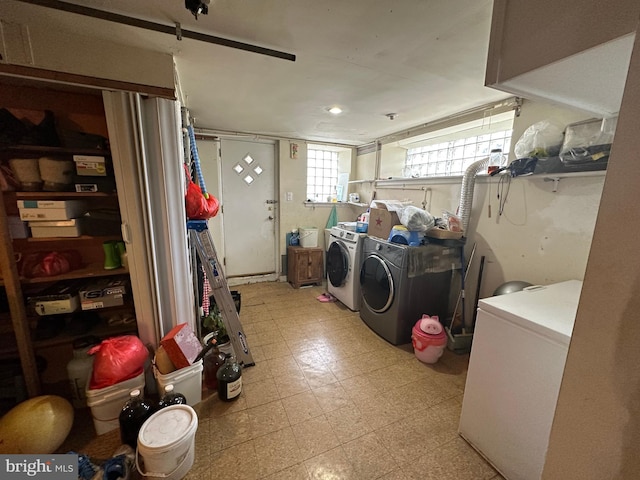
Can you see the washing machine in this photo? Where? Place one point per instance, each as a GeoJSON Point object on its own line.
{"type": "Point", "coordinates": [400, 283]}
{"type": "Point", "coordinates": [344, 257]}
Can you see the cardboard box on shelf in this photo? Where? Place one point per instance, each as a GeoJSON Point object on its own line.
{"type": "Point", "coordinates": [56, 228]}
{"type": "Point", "coordinates": [50, 209]}
{"type": "Point", "coordinates": [57, 299]}
{"type": "Point", "coordinates": [106, 292]}
{"type": "Point", "coordinates": [90, 165]}
{"type": "Point", "coordinates": [182, 345]}
{"type": "Point", "coordinates": [381, 221]}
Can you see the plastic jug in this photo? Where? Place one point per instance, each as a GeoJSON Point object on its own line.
{"type": "Point", "coordinates": [79, 369]}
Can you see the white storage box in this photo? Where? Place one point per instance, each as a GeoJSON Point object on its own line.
{"type": "Point", "coordinates": [106, 403]}
{"type": "Point", "coordinates": [308, 237]}
{"type": "Point", "coordinates": [187, 381]}
{"type": "Point", "coordinates": [56, 228]}
{"type": "Point", "coordinates": [50, 209]}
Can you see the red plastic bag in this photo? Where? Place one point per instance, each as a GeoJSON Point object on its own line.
{"type": "Point", "coordinates": [198, 206]}
{"type": "Point", "coordinates": [48, 264]}
{"type": "Point", "coordinates": [117, 359]}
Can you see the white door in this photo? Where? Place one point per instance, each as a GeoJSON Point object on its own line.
{"type": "Point", "coordinates": [249, 207]}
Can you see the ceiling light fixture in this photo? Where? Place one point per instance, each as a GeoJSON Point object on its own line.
{"type": "Point", "coordinates": [335, 110]}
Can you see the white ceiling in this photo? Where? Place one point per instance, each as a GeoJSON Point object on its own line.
{"type": "Point", "coordinates": [419, 59]}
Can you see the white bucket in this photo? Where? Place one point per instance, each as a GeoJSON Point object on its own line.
{"type": "Point", "coordinates": [106, 403]}
{"type": "Point", "coordinates": [308, 237]}
{"type": "Point", "coordinates": [166, 443]}
{"type": "Point", "coordinates": [187, 381]}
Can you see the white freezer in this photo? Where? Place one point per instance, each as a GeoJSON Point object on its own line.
{"type": "Point", "coordinates": [515, 369]}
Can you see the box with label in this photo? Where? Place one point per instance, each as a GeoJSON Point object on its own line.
{"type": "Point", "coordinates": [58, 299]}
{"type": "Point", "coordinates": [50, 209]}
{"type": "Point", "coordinates": [86, 184]}
{"type": "Point", "coordinates": [182, 345]}
{"type": "Point", "coordinates": [103, 293]}
{"type": "Point", "coordinates": [90, 165]}
{"type": "Point", "coordinates": [381, 221]}
{"type": "Point", "coordinates": [56, 228]}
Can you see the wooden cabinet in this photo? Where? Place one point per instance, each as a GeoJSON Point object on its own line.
{"type": "Point", "coordinates": [305, 266]}
{"type": "Point", "coordinates": [18, 321]}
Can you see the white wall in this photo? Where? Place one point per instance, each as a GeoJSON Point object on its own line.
{"type": "Point", "coordinates": [67, 51]}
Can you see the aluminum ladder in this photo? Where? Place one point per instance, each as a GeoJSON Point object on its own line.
{"type": "Point", "coordinates": [201, 241]}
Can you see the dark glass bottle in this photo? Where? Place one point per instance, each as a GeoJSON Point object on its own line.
{"type": "Point", "coordinates": [212, 362]}
{"type": "Point", "coordinates": [171, 397]}
{"type": "Point", "coordinates": [229, 379]}
{"type": "Point", "coordinates": [134, 413]}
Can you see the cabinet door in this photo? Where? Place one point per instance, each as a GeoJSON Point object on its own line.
{"type": "Point", "coordinates": [315, 266]}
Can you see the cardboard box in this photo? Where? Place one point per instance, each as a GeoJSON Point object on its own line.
{"type": "Point", "coordinates": [50, 209]}
{"type": "Point", "coordinates": [182, 345]}
{"type": "Point", "coordinates": [106, 292]}
{"type": "Point", "coordinates": [56, 228]}
{"type": "Point", "coordinates": [58, 299]}
{"type": "Point", "coordinates": [381, 221]}
{"type": "Point", "coordinates": [90, 166]}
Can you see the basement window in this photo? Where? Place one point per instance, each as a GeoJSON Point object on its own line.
{"type": "Point", "coordinates": [328, 168]}
{"type": "Point", "coordinates": [322, 174]}
{"type": "Point", "coordinates": [450, 151]}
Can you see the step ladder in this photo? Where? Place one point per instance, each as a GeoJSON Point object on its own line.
{"type": "Point", "coordinates": [200, 240]}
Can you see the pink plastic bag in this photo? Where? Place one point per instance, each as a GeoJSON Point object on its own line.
{"type": "Point", "coordinates": [117, 359]}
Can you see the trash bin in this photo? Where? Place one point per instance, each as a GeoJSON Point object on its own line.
{"type": "Point", "coordinates": [429, 339]}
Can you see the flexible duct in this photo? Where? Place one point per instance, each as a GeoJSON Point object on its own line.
{"type": "Point", "coordinates": [466, 194]}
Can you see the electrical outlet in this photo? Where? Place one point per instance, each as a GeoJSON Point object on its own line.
{"type": "Point", "coordinates": [289, 196]}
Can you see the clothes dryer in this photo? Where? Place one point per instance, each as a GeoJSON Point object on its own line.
{"type": "Point", "coordinates": [400, 283]}
{"type": "Point", "coordinates": [344, 257]}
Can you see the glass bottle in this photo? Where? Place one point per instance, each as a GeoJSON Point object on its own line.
{"type": "Point", "coordinates": [212, 362]}
{"type": "Point", "coordinates": [134, 413]}
{"type": "Point", "coordinates": [229, 379]}
{"type": "Point", "coordinates": [171, 397]}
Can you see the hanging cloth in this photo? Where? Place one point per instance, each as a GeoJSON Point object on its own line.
{"type": "Point", "coordinates": [333, 218]}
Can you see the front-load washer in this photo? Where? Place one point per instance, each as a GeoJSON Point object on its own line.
{"type": "Point", "coordinates": [344, 257]}
{"type": "Point", "coordinates": [400, 283]}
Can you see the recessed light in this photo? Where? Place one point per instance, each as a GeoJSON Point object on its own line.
{"type": "Point", "coordinates": [335, 110]}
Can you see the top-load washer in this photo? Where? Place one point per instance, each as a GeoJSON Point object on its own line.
{"type": "Point", "coordinates": [400, 283]}
{"type": "Point", "coordinates": [344, 257]}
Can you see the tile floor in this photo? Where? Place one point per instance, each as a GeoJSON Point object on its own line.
{"type": "Point", "coordinates": [327, 399]}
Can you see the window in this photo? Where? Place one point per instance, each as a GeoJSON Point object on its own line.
{"type": "Point", "coordinates": [322, 174]}
{"type": "Point", "coordinates": [450, 152]}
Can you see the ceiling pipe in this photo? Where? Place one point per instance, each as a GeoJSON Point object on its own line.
{"type": "Point", "coordinates": [176, 30]}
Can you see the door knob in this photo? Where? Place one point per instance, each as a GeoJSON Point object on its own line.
{"type": "Point", "coordinates": [270, 217]}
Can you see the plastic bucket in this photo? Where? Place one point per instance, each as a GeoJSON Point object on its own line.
{"type": "Point", "coordinates": [428, 348]}
{"type": "Point", "coordinates": [308, 237]}
{"type": "Point", "coordinates": [106, 403]}
{"type": "Point", "coordinates": [187, 381]}
{"type": "Point", "coordinates": [166, 443]}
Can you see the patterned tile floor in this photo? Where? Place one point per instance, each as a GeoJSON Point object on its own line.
{"type": "Point", "coordinates": [327, 399]}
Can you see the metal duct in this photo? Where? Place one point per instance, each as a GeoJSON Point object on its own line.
{"type": "Point", "coordinates": [466, 194]}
